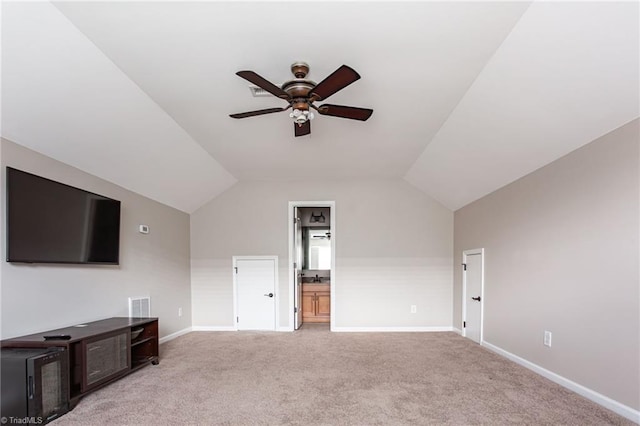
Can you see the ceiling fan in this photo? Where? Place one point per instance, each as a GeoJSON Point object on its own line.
{"type": "Point", "coordinates": [301, 93]}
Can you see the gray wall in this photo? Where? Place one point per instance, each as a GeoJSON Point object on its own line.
{"type": "Point", "coordinates": [393, 249]}
{"type": "Point", "coordinates": [561, 254]}
{"type": "Point", "coordinates": [41, 297]}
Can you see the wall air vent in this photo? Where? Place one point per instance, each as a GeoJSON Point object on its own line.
{"type": "Point", "coordinates": [140, 307]}
{"type": "Point", "coordinates": [259, 92]}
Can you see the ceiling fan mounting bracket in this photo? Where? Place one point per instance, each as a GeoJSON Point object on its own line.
{"type": "Point", "coordinates": [300, 69]}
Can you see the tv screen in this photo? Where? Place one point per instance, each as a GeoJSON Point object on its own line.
{"type": "Point", "coordinates": [50, 222]}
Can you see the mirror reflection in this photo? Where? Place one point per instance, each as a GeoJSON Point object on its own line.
{"type": "Point", "coordinates": [317, 248]}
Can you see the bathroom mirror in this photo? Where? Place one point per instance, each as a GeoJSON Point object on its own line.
{"type": "Point", "coordinates": [317, 248]}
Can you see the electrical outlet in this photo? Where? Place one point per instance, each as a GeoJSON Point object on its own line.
{"type": "Point", "coordinates": [547, 338]}
{"type": "Point", "coordinates": [179, 312]}
{"type": "Point", "coordinates": [414, 309]}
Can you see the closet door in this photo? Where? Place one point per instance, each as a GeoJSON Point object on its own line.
{"type": "Point", "coordinates": [255, 283]}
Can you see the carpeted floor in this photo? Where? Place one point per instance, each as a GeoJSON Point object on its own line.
{"type": "Point", "coordinates": [315, 377]}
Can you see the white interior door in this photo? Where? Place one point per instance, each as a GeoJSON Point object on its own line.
{"type": "Point", "coordinates": [297, 267]}
{"type": "Point", "coordinates": [473, 294]}
{"type": "Point", "coordinates": [255, 283]}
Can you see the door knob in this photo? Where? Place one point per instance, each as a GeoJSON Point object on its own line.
{"type": "Point", "coordinates": [476, 298]}
{"type": "Point", "coordinates": [269, 295]}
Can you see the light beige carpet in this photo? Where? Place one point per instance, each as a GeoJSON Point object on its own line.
{"type": "Point", "coordinates": [315, 377]}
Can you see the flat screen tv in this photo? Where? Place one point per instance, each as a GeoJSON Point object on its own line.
{"type": "Point", "coordinates": [50, 222]}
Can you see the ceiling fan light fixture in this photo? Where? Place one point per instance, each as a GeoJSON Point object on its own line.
{"type": "Point", "coordinates": [301, 116]}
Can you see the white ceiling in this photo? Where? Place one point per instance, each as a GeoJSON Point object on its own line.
{"type": "Point", "coordinates": [467, 96]}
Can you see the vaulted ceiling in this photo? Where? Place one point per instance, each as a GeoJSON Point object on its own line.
{"type": "Point", "coordinates": [467, 96]}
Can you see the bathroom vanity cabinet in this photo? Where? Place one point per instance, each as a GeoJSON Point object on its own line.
{"type": "Point", "coordinates": [316, 303]}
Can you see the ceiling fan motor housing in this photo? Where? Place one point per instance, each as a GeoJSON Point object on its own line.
{"type": "Point", "coordinates": [298, 88]}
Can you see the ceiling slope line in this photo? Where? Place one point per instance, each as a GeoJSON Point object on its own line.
{"type": "Point", "coordinates": [105, 124]}
{"type": "Point", "coordinates": [552, 87]}
{"type": "Point", "coordinates": [471, 84]}
{"type": "Point", "coordinates": [151, 98]}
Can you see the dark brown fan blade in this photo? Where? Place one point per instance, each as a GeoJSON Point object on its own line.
{"type": "Point", "coordinates": [341, 78]}
{"type": "Point", "coordinates": [353, 113]}
{"type": "Point", "coordinates": [263, 83]}
{"type": "Point", "coordinates": [258, 112]}
{"type": "Point", "coordinates": [305, 129]}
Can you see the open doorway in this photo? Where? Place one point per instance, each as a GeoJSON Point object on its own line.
{"type": "Point", "coordinates": [312, 263]}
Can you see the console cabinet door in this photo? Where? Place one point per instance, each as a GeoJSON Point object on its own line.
{"type": "Point", "coordinates": [105, 357]}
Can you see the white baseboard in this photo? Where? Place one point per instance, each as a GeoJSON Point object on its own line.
{"type": "Point", "coordinates": [457, 330]}
{"type": "Point", "coordinates": [227, 328]}
{"type": "Point", "coordinates": [174, 335]}
{"type": "Point", "coordinates": [339, 329]}
{"type": "Point", "coordinates": [213, 328]}
{"type": "Point", "coordinates": [598, 398]}
{"type": "Point", "coordinates": [390, 329]}
{"type": "Point", "coordinates": [206, 328]}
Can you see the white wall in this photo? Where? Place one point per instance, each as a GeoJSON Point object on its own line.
{"type": "Point", "coordinates": [393, 249]}
{"type": "Point", "coordinates": [562, 254]}
{"type": "Point", "coordinates": [41, 297]}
